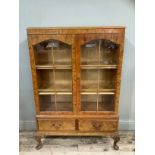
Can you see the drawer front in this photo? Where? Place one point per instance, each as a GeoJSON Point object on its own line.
{"type": "Point", "coordinates": [97, 125]}
{"type": "Point", "coordinates": [56, 125]}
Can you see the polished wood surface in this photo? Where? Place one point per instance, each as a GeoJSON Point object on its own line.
{"type": "Point", "coordinates": [56, 125]}
{"type": "Point", "coordinates": [76, 74]}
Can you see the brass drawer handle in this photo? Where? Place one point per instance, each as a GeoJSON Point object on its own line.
{"type": "Point", "coordinates": [96, 126]}
{"type": "Point", "coordinates": [56, 126]}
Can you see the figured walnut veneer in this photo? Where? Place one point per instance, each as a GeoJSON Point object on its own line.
{"type": "Point", "coordinates": [76, 74]}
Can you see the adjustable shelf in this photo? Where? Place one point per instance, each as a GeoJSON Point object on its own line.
{"type": "Point", "coordinates": [100, 93]}
{"type": "Point", "coordinates": [98, 66]}
{"type": "Point", "coordinates": [95, 91]}
{"type": "Point", "coordinates": [70, 93]}
{"type": "Point", "coordinates": [57, 92]}
{"type": "Point", "coordinates": [53, 67]}
{"type": "Point", "coordinates": [82, 67]}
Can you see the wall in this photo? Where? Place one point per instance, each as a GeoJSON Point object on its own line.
{"type": "Point", "coordinates": [77, 13]}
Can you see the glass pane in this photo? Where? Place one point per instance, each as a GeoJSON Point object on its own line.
{"type": "Point", "coordinates": [90, 78]}
{"type": "Point", "coordinates": [107, 78]}
{"type": "Point", "coordinates": [106, 103]}
{"type": "Point", "coordinates": [51, 52]}
{"type": "Point", "coordinates": [63, 79]}
{"type": "Point", "coordinates": [88, 102]}
{"type": "Point", "coordinates": [55, 103]}
{"type": "Point", "coordinates": [89, 53]}
{"type": "Point", "coordinates": [99, 52]}
{"type": "Point", "coordinates": [64, 102]}
{"type": "Point", "coordinates": [108, 53]}
{"type": "Point", "coordinates": [55, 80]}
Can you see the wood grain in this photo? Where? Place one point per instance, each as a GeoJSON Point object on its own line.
{"type": "Point", "coordinates": [86, 73]}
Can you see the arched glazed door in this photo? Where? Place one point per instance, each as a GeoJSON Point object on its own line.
{"type": "Point", "coordinates": [54, 71]}
{"type": "Point", "coordinates": [97, 74]}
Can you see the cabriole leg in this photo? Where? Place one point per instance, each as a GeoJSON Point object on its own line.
{"type": "Point", "coordinates": [39, 143]}
{"type": "Point", "coordinates": [116, 139]}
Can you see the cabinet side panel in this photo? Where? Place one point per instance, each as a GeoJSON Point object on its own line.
{"type": "Point", "coordinates": [119, 71]}
{"type": "Point", "coordinates": [34, 74]}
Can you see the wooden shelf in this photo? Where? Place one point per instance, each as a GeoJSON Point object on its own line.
{"type": "Point", "coordinates": [70, 93]}
{"type": "Point", "coordinates": [98, 66]}
{"type": "Point", "coordinates": [83, 92]}
{"type": "Point", "coordinates": [54, 67]}
{"type": "Point", "coordinates": [55, 93]}
{"type": "Point", "coordinates": [52, 90]}
{"type": "Point", "coordinates": [100, 91]}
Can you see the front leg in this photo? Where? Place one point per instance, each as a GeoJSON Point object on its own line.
{"type": "Point", "coordinates": [39, 143]}
{"type": "Point", "coordinates": [116, 139]}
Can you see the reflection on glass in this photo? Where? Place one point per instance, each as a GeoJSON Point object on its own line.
{"type": "Point", "coordinates": [51, 52]}
{"type": "Point", "coordinates": [106, 50]}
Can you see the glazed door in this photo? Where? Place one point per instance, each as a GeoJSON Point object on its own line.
{"type": "Point", "coordinates": [54, 69]}
{"type": "Point", "coordinates": [97, 63]}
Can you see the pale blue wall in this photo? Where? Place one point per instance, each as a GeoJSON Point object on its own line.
{"type": "Point", "coordinates": [77, 13]}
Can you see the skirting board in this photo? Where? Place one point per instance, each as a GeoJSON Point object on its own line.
{"type": "Point", "coordinates": [30, 125]}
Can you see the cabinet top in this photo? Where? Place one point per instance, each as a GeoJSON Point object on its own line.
{"type": "Point", "coordinates": [75, 30]}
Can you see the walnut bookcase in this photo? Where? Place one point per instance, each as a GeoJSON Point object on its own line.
{"type": "Point", "coordinates": [76, 75]}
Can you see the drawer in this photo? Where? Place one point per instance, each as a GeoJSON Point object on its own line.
{"type": "Point", "coordinates": [97, 125]}
{"type": "Point", "coordinates": [56, 124]}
